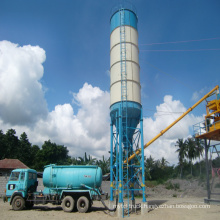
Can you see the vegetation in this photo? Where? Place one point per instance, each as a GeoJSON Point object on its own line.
{"type": "Point", "coordinates": [189, 150]}
{"type": "Point", "coordinates": [36, 158]}
{"type": "Point", "coordinates": [156, 171]}
{"type": "Point", "coordinates": [174, 186]}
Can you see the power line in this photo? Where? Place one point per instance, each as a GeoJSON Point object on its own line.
{"type": "Point", "coordinates": [185, 41]}
{"type": "Point", "coordinates": [164, 111]}
{"type": "Point", "coordinates": [182, 50]}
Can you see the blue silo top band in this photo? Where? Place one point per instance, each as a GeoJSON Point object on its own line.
{"type": "Point", "coordinates": [130, 19]}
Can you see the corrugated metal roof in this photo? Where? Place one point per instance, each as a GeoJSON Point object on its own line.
{"type": "Point", "coordinates": [12, 164]}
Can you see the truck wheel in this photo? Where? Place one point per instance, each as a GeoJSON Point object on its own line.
{"type": "Point", "coordinates": [18, 203]}
{"type": "Point", "coordinates": [83, 204]}
{"type": "Point", "coordinates": [68, 204]}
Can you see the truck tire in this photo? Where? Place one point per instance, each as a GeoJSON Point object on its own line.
{"type": "Point", "coordinates": [18, 203]}
{"type": "Point", "coordinates": [68, 204]}
{"type": "Point", "coordinates": [82, 204]}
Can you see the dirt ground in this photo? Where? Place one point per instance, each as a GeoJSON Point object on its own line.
{"type": "Point", "coordinates": [158, 208]}
{"type": "Point", "coordinates": [184, 202]}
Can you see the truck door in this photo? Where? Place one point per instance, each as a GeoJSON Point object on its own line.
{"type": "Point", "coordinates": [21, 181]}
{"type": "Point", "coordinates": [15, 183]}
{"type": "Point", "coordinates": [32, 182]}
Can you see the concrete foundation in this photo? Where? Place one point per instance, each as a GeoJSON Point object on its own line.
{"type": "Point", "coordinates": [119, 211]}
{"type": "Point", "coordinates": [133, 206]}
{"type": "Point", "coordinates": [144, 208]}
{"type": "Point", "coordinates": [111, 205]}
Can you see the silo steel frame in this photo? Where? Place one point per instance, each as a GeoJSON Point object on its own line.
{"type": "Point", "coordinates": [123, 176]}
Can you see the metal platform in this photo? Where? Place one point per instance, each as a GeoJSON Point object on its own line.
{"type": "Point", "coordinates": [212, 135]}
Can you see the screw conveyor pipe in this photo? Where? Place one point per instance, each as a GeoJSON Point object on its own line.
{"type": "Point", "coordinates": [171, 125]}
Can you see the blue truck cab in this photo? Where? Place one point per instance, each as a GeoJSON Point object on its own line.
{"type": "Point", "coordinates": [21, 182]}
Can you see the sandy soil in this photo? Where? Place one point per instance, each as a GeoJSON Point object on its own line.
{"type": "Point", "coordinates": [185, 202]}
{"type": "Point", "coordinates": [186, 188]}
{"type": "Point", "coordinates": [159, 208]}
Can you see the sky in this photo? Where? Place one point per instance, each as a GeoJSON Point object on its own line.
{"type": "Point", "coordinates": [55, 60]}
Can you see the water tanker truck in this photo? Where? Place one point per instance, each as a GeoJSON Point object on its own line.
{"type": "Point", "coordinates": [68, 186]}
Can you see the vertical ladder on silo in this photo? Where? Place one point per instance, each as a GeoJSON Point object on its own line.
{"type": "Point", "coordinates": [124, 99]}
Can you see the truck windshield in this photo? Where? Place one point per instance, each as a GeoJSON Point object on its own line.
{"type": "Point", "coordinates": [14, 176]}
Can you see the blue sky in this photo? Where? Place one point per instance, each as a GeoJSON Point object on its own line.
{"type": "Point", "coordinates": [75, 36]}
{"type": "Point", "coordinates": [179, 42]}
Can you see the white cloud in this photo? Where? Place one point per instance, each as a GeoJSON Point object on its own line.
{"type": "Point", "coordinates": [86, 131]}
{"type": "Point", "coordinates": [21, 95]}
{"type": "Point", "coordinates": [23, 107]}
{"type": "Point", "coordinates": [167, 113]}
{"type": "Point", "coordinates": [94, 111]}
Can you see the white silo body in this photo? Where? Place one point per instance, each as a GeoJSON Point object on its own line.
{"type": "Point", "coordinates": [131, 60]}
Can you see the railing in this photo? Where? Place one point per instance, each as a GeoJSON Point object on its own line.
{"type": "Point", "coordinates": [199, 128]}
{"type": "Point", "coordinates": [202, 127]}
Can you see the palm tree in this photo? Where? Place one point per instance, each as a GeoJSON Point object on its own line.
{"type": "Point", "coordinates": [104, 164]}
{"type": "Point", "coordinates": [182, 153]}
{"type": "Point", "coordinates": [149, 165]}
{"type": "Point", "coordinates": [163, 163]}
{"type": "Point", "coordinates": [191, 151]}
{"type": "Point", "coordinates": [86, 160]}
{"type": "Point", "coordinates": [91, 161]}
{"type": "Point", "coordinates": [75, 161]}
{"type": "Point", "coordinates": [199, 150]}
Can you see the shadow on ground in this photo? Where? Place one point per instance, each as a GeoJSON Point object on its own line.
{"type": "Point", "coordinates": [153, 204]}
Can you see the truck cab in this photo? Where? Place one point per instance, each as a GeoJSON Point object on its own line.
{"type": "Point", "coordinates": [21, 182]}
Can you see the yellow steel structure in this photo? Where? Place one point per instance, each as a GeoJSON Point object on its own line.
{"type": "Point", "coordinates": [213, 112]}
{"type": "Point", "coordinates": [210, 130]}
{"type": "Point", "coordinates": [214, 106]}
{"type": "Point", "coordinates": [212, 121]}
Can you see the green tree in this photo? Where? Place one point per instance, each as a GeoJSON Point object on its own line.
{"type": "Point", "coordinates": [83, 160]}
{"type": "Point", "coordinates": [163, 163]}
{"type": "Point", "coordinates": [199, 144]}
{"type": "Point", "coordinates": [182, 153]}
{"type": "Point", "coordinates": [91, 161]}
{"type": "Point", "coordinates": [149, 166]}
{"type": "Point", "coordinates": [86, 160]}
{"type": "Point", "coordinates": [2, 145]}
{"type": "Point", "coordinates": [75, 161]}
{"type": "Point", "coordinates": [11, 144]}
{"type": "Point", "coordinates": [191, 151]}
{"type": "Point", "coordinates": [25, 150]}
{"type": "Point", "coordinates": [51, 153]}
{"type": "Point", "coordinates": [104, 164]}
{"type": "Point", "coordinates": [35, 151]}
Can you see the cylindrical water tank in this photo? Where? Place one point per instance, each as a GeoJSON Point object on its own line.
{"type": "Point", "coordinates": [130, 40]}
{"type": "Point", "coordinates": [72, 177]}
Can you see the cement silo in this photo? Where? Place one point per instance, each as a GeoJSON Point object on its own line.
{"type": "Point", "coordinates": [125, 106]}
